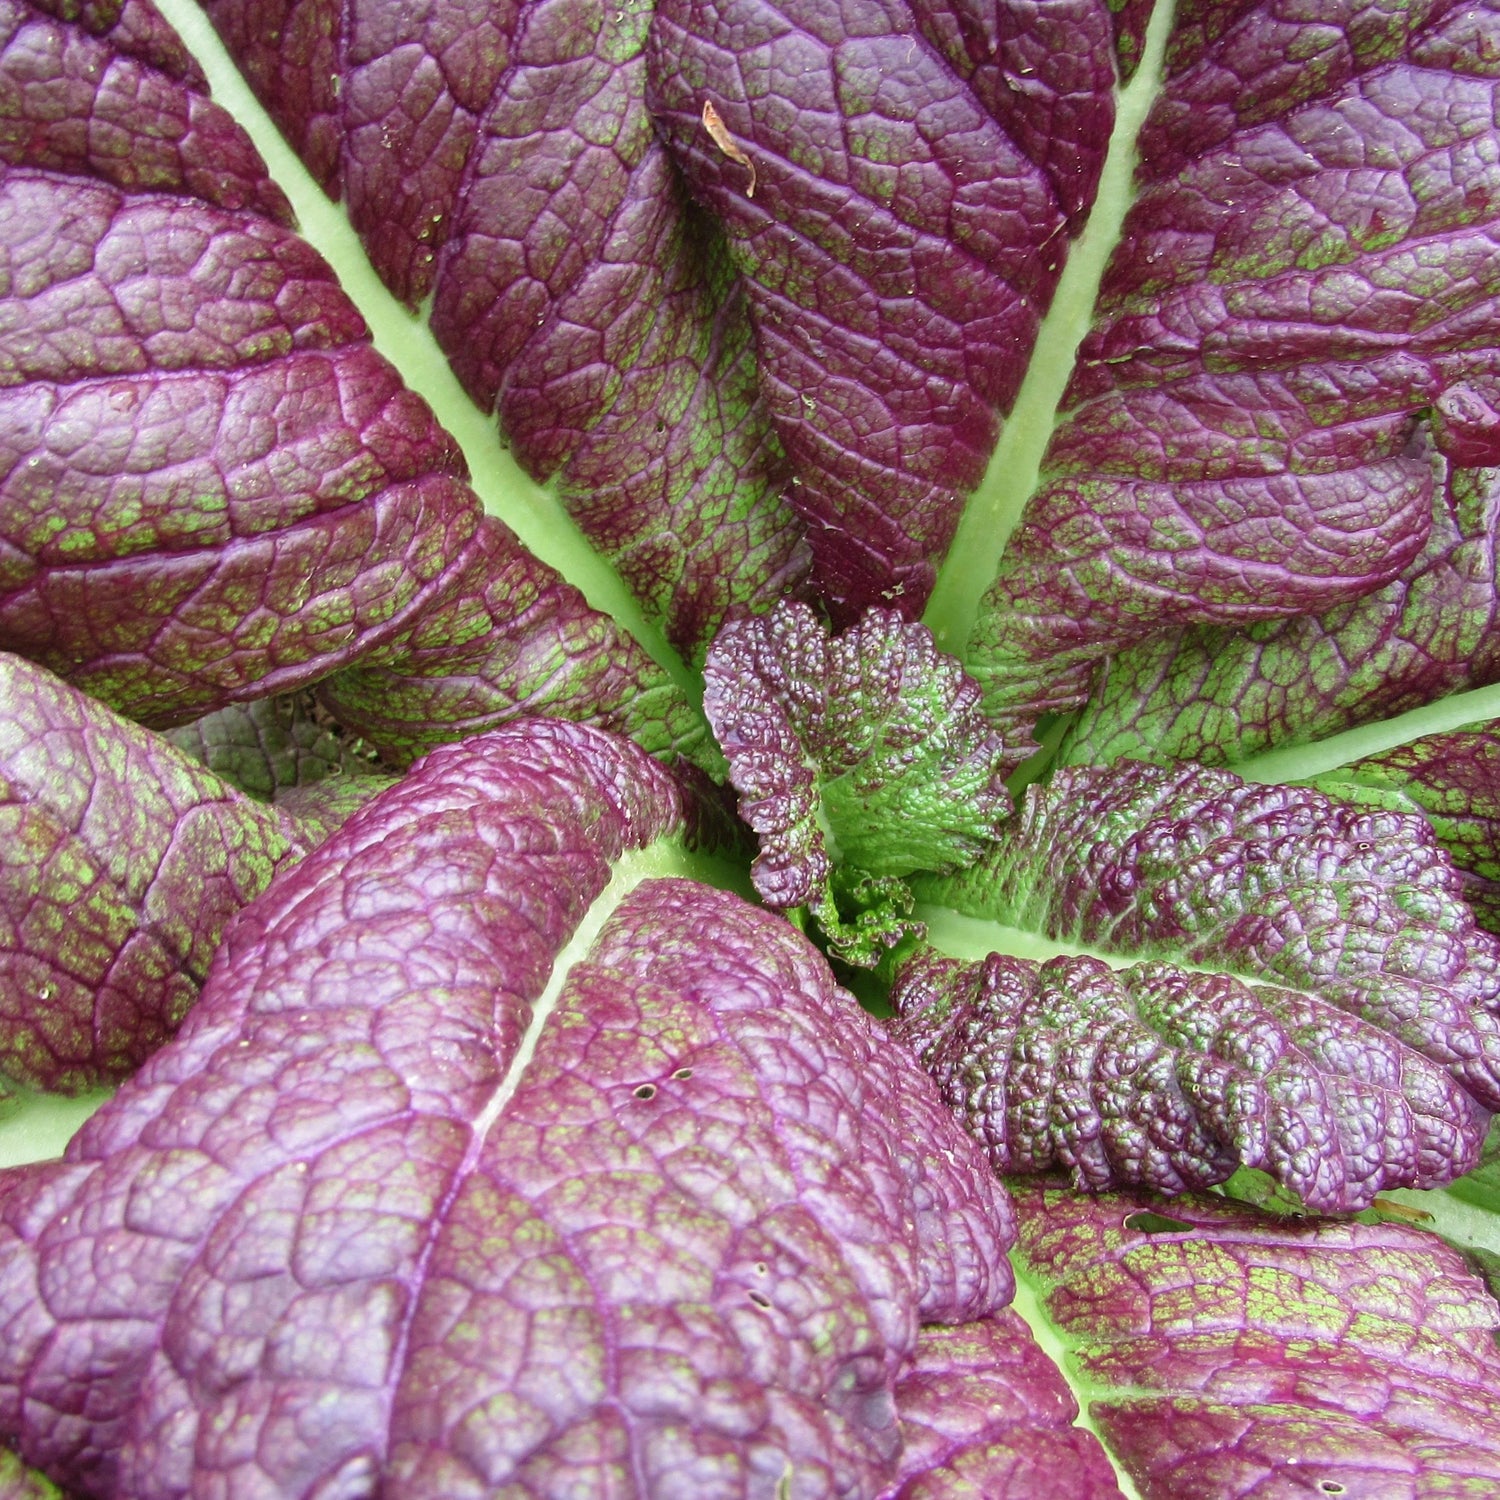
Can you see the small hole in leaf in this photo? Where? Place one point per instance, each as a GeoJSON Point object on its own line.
{"type": "Point", "coordinates": [683, 1073]}
{"type": "Point", "coordinates": [1146, 1222]}
{"type": "Point", "coordinates": [759, 1301]}
{"type": "Point", "coordinates": [1331, 1487]}
{"type": "Point", "coordinates": [646, 1091]}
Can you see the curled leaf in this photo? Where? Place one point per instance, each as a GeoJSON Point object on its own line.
{"type": "Point", "coordinates": [1453, 780]}
{"type": "Point", "coordinates": [1273, 883]}
{"type": "Point", "coordinates": [1164, 1078]}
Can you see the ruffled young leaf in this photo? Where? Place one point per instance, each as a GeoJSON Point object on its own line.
{"type": "Point", "coordinates": [421, 1202]}
{"type": "Point", "coordinates": [1453, 780]}
{"type": "Point", "coordinates": [1361, 909]}
{"type": "Point", "coordinates": [858, 758]}
{"type": "Point", "coordinates": [511, 639]}
{"type": "Point", "coordinates": [1217, 695]}
{"type": "Point", "coordinates": [985, 1413]}
{"type": "Point", "coordinates": [897, 183]}
{"type": "Point", "coordinates": [123, 862]}
{"type": "Point", "coordinates": [1159, 1077]}
{"type": "Point", "coordinates": [502, 160]}
{"type": "Point", "coordinates": [1230, 1353]}
{"type": "Point", "coordinates": [1304, 276]}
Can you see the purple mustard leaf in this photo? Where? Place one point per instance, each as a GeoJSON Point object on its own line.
{"type": "Point", "coordinates": [511, 640]}
{"type": "Point", "coordinates": [124, 861]}
{"type": "Point", "coordinates": [1044, 72]}
{"type": "Point", "coordinates": [1169, 1079]}
{"type": "Point", "coordinates": [1275, 883]}
{"type": "Point", "coordinates": [896, 183]}
{"type": "Point", "coordinates": [985, 1413]}
{"type": "Point", "coordinates": [1304, 275]}
{"type": "Point", "coordinates": [858, 759]}
{"type": "Point", "coordinates": [1215, 694]}
{"type": "Point", "coordinates": [502, 160]}
{"type": "Point", "coordinates": [135, 28]}
{"type": "Point", "coordinates": [1231, 1353]}
{"type": "Point", "coordinates": [211, 487]}
{"type": "Point", "coordinates": [1453, 780]}
{"type": "Point", "coordinates": [193, 421]}
{"type": "Point", "coordinates": [1131, 17]}
{"type": "Point", "coordinates": [403, 1209]}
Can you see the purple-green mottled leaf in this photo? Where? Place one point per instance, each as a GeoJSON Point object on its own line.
{"type": "Point", "coordinates": [1306, 275]}
{"type": "Point", "coordinates": [404, 1210]}
{"type": "Point", "coordinates": [271, 747]}
{"type": "Point", "coordinates": [838, 349]}
{"type": "Point", "coordinates": [194, 425]}
{"type": "Point", "coordinates": [984, 1413]}
{"type": "Point", "coordinates": [898, 198]}
{"type": "Point", "coordinates": [211, 487]}
{"type": "Point", "coordinates": [512, 639]}
{"type": "Point", "coordinates": [1169, 1079]}
{"type": "Point", "coordinates": [1216, 695]}
{"type": "Point", "coordinates": [1233, 1354]}
{"type": "Point", "coordinates": [858, 758]}
{"type": "Point", "coordinates": [1362, 909]}
{"type": "Point", "coordinates": [287, 751]}
{"type": "Point", "coordinates": [123, 862]}
{"type": "Point", "coordinates": [502, 160]}
{"type": "Point", "coordinates": [1453, 780]}
{"type": "Point", "coordinates": [1131, 18]}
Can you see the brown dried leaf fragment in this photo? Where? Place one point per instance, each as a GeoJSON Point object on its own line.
{"type": "Point", "coordinates": [713, 123]}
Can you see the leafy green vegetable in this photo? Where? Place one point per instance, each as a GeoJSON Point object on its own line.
{"type": "Point", "coordinates": [427, 1196]}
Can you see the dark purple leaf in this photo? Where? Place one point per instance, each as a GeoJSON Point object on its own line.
{"type": "Point", "coordinates": [194, 423]}
{"type": "Point", "coordinates": [1274, 883]}
{"type": "Point", "coordinates": [505, 161]}
{"type": "Point", "coordinates": [123, 862]}
{"type": "Point", "coordinates": [511, 639]}
{"type": "Point", "coordinates": [502, 159]}
{"type": "Point", "coordinates": [1214, 694]}
{"type": "Point", "coordinates": [985, 1413]}
{"type": "Point", "coordinates": [914, 171]}
{"type": "Point", "coordinates": [1170, 1079]}
{"type": "Point", "coordinates": [1305, 273]}
{"type": "Point", "coordinates": [211, 487]}
{"type": "Point", "coordinates": [402, 1209]}
{"type": "Point", "coordinates": [1230, 1353]}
